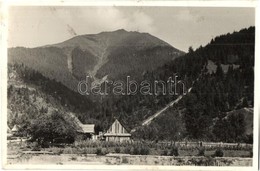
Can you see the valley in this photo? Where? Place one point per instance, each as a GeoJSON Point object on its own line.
{"type": "Point", "coordinates": [219, 83]}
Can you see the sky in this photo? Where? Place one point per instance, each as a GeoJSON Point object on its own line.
{"type": "Point", "coordinates": [181, 27]}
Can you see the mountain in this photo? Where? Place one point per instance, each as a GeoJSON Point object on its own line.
{"type": "Point", "coordinates": [107, 54]}
{"type": "Point", "coordinates": [219, 77]}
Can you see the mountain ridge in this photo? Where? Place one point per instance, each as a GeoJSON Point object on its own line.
{"type": "Point", "coordinates": [96, 55]}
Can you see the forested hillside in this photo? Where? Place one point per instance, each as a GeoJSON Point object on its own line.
{"type": "Point", "coordinates": [220, 102]}
{"type": "Point", "coordinates": [214, 92]}
{"type": "Point", "coordinates": [31, 95]}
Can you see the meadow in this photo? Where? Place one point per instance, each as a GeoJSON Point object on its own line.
{"type": "Point", "coordinates": [137, 152]}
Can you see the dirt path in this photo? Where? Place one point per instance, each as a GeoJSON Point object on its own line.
{"type": "Point", "coordinates": [75, 159]}
{"type": "Point", "coordinates": [158, 113]}
{"type": "Point", "coordinates": [149, 120]}
{"type": "Point", "coordinates": [249, 110]}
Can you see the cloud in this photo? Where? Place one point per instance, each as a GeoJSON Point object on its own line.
{"type": "Point", "coordinates": [55, 24]}
{"type": "Point", "coordinates": [142, 22]}
{"type": "Point", "coordinates": [33, 26]}
{"type": "Point", "coordinates": [97, 19]}
{"type": "Point", "coordinates": [185, 15]}
{"type": "Point", "coordinates": [189, 15]}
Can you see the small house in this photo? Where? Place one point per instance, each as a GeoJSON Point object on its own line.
{"type": "Point", "coordinates": [15, 129]}
{"type": "Point", "coordinates": [87, 131]}
{"type": "Point", "coordinates": [84, 131]}
{"type": "Point", "coordinates": [117, 132]}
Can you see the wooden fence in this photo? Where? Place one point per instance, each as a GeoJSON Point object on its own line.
{"type": "Point", "coordinates": [207, 144]}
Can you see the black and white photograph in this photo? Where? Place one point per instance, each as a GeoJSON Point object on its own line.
{"type": "Point", "coordinates": [130, 85]}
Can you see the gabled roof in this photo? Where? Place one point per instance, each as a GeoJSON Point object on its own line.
{"type": "Point", "coordinates": [123, 125]}
{"type": "Point", "coordinates": [126, 134]}
{"type": "Point", "coordinates": [83, 128]}
{"type": "Point", "coordinates": [87, 128]}
{"type": "Point", "coordinates": [15, 128]}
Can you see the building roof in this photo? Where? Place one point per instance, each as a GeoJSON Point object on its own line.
{"type": "Point", "coordinates": [83, 128]}
{"type": "Point", "coordinates": [118, 134]}
{"type": "Point", "coordinates": [87, 128]}
{"type": "Point", "coordinates": [15, 128]}
{"type": "Point", "coordinates": [121, 123]}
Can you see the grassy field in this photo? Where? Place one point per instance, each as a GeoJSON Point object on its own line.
{"type": "Point", "coordinates": [143, 153]}
{"type": "Point", "coordinates": [73, 159]}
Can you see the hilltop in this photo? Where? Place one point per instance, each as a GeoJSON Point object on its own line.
{"type": "Point", "coordinates": [107, 54]}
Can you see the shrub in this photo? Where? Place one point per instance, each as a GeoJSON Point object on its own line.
{"type": "Point", "coordinates": [208, 161]}
{"type": "Point", "coordinates": [124, 160]}
{"type": "Point", "coordinates": [140, 150]}
{"type": "Point", "coordinates": [35, 146]}
{"type": "Point", "coordinates": [135, 150]}
{"type": "Point", "coordinates": [219, 153]}
{"type": "Point", "coordinates": [144, 150]}
{"type": "Point", "coordinates": [117, 149]}
{"type": "Point", "coordinates": [45, 144]}
{"type": "Point", "coordinates": [249, 139]}
{"type": "Point", "coordinates": [73, 158]}
{"type": "Point", "coordinates": [56, 150]}
{"type": "Point", "coordinates": [201, 151]}
{"type": "Point", "coordinates": [127, 150]}
{"type": "Point", "coordinates": [251, 153]}
{"type": "Point", "coordinates": [165, 152]}
{"type": "Point", "coordinates": [87, 151]}
{"type": "Point", "coordinates": [174, 151]}
{"type": "Point", "coordinates": [99, 151]}
{"type": "Point", "coordinates": [104, 151]}
{"type": "Point", "coordinates": [56, 129]}
{"type": "Point", "coordinates": [201, 161]}
{"type": "Point", "coordinates": [70, 150]}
